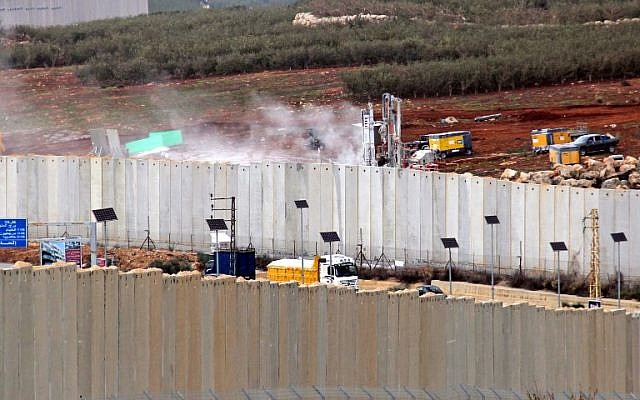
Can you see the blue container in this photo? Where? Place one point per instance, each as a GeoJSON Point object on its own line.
{"type": "Point", "coordinates": [245, 263]}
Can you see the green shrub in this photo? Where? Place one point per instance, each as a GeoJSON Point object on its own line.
{"type": "Point", "coordinates": [172, 266]}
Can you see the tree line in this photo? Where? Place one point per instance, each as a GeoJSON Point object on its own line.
{"type": "Point", "coordinates": [408, 55]}
{"type": "Point", "coordinates": [542, 58]}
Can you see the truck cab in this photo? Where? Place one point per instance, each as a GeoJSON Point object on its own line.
{"type": "Point", "coordinates": [342, 272]}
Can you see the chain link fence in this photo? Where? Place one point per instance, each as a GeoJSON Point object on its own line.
{"type": "Point", "coordinates": [369, 258]}
{"type": "Point", "coordinates": [343, 393]}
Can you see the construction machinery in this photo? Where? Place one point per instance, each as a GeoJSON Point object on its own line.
{"type": "Point", "coordinates": [542, 139]}
{"type": "Point", "coordinates": [382, 140]}
{"type": "Point", "coordinates": [566, 154]}
{"type": "Point", "coordinates": [450, 143]}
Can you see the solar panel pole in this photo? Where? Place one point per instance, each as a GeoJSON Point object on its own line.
{"type": "Point", "coordinates": [448, 244]}
{"type": "Point", "coordinates": [104, 232]}
{"type": "Point", "coordinates": [557, 247]}
{"type": "Point", "coordinates": [301, 247]}
{"type": "Point", "coordinates": [301, 205]}
{"type": "Point", "coordinates": [217, 254]}
{"type": "Point", "coordinates": [558, 267]}
{"type": "Point", "coordinates": [331, 257]}
{"type": "Point", "coordinates": [450, 279]}
{"type": "Point", "coordinates": [618, 274]}
{"type": "Point", "coordinates": [492, 220]}
{"type": "Point", "coordinates": [618, 237]}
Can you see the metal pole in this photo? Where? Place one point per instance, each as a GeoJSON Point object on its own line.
{"type": "Point", "coordinates": [104, 232]}
{"type": "Point", "coordinates": [217, 254]}
{"type": "Point", "coordinates": [450, 284]}
{"type": "Point", "coordinates": [619, 275]}
{"type": "Point", "coordinates": [301, 247]}
{"type": "Point", "coordinates": [331, 258]}
{"type": "Point", "coordinates": [558, 265]}
{"type": "Point", "coordinates": [493, 290]}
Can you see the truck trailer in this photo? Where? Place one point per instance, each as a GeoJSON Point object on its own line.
{"type": "Point", "coordinates": [336, 269]}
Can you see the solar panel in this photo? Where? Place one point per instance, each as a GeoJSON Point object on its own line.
{"type": "Point", "coordinates": [301, 204]}
{"type": "Point", "coordinates": [491, 219]}
{"type": "Point", "coordinates": [104, 214]}
{"type": "Point", "coordinates": [558, 246]}
{"type": "Point", "coordinates": [449, 243]}
{"type": "Point", "coordinates": [619, 237]}
{"type": "Point", "coordinates": [329, 237]}
{"type": "Point", "coordinates": [216, 224]}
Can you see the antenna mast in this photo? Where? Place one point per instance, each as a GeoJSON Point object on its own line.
{"type": "Point", "coordinates": [594, 272]}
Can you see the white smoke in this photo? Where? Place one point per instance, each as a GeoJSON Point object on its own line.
{"type": "Point", "coordinates": [271, 131]}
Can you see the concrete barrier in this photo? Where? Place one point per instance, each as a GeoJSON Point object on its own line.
{"type": "Point", "coordinates": [404, 213]}
{"type": "Point", "coordinates": [536, 297]}
{"type": "Point", "coordinates": [100, 333]}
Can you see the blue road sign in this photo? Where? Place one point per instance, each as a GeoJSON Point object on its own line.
{"type": "Point", "coordinates": [13, 232]}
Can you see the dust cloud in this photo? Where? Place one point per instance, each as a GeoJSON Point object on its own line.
{"type": "Point", "coordinates": [276, 132]}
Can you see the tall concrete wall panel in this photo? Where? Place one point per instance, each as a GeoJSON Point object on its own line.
{"type": "Point", "coordinates": [427, 237]}
{"type": "Point", "coordinates": [465, 211]}
{"type": "Point", "coordinates": [101, 333]}
{"type": "Point", "coordinates": [506, 249]}
{"type": "Point", "coordinates": [376, 210]}
{"type": "Point", "coordinates": [439, 216]}
{"type": "Point", "coordinates": [403, 212]}
{"type": "Point", "coordinates": [414, 215]}
{"type": "Point", "coordinates": [606, 214]}
{"type": "Point", "coordinates": [517, 217]}
{"type": "Point", "coordinates": [50, 12]}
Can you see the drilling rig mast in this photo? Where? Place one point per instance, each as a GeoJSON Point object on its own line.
{"type": "Point", "coordinates": [594, 271]}
{"type": "Point", "coordinates": [392, 120]}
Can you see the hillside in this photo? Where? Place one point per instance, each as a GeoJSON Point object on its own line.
{"type": "Point", "coordinates": [241, 118]}
{"type": "Point", "coordinates": [411, 48]}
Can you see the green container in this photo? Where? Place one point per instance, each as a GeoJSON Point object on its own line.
{"type": "Point", "coordinates": [168, 138]}
{"type": "Point", "coordinates": [142, 145]}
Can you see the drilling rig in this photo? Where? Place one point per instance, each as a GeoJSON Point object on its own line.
{"type": "Point", "coordinates": [382, 140]}
{"type": "Point", "coordinates": [594, 270]}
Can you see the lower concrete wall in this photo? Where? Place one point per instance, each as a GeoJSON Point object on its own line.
{"type": "Point", "coordinates": [99, 333]}
{"type": "Point", "coordinates": [509, 295]}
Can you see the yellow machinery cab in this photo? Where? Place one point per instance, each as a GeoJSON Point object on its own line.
{"type": "Point", "coordinates": [564, 154]}
{"type": "Point", "coordinates": [541, 139]}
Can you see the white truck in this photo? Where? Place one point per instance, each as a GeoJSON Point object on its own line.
{"type": "Point", "coordinates": [336, 269]}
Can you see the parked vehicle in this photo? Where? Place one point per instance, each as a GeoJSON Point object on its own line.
{"type": "Point", "coordinates": [424, 289]}
{"type": "Point", "coordinates": [337, 269]}
{"type": "Point", "coordinates": [423, 160]}
{"type": "Point", "coordinates": [596, 143]}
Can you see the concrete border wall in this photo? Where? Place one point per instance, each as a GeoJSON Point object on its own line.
{"type": "Point", "coordinates": [64, 12]}
{"type": "Point", "coordinates": [100, 333]}
{"type": "Point", "coordinates": [402, 213]}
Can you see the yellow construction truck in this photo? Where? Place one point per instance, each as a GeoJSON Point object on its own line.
{"type": "Point", "coordinates": [337, 269]}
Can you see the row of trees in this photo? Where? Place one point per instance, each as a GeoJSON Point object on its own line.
{"type": "Point", "coordinates": [586, 54]}
{"type": "Point", "coordinates": [410, 52]}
